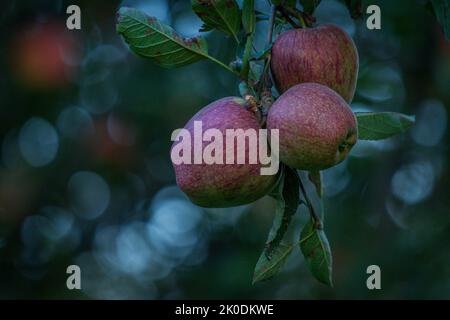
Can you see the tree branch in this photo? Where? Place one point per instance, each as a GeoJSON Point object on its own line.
{"type": "Point", "coordinates": [298, 15]}
{"type": "Point", "coordinates": [288, 18]}
{"type": "Point", "coordinates": [265, 85]}
{"type": "Point", "coordinates": [309, 205]}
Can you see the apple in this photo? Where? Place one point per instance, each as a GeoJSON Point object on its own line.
{"type": "Point", "coordinates": [317, 128]}
{"type": "Point", "coordinates": [324, 54]}
{"type": "Point", "coordinates": [221, 184]}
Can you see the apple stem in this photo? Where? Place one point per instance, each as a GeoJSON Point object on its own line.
{"type": "Point", "coordinates": [252, 105]}
{"type": "Point", "coordinates": [288, 18]}
{"type": "Point", "coordinates": [302, 21]}
{"type": "Point", "coordinates": [317, 221]}
{"type": "Point", "coordinates": [298, 15]}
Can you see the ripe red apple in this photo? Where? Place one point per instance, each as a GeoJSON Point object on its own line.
{"type": "Point", "coordinates": [317, 127]}
{"type": "Point", "coordinates": [324, 54]}
{"type": "Point", "coordinates": [222, 185]}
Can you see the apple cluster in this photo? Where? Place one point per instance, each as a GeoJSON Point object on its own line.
{"type": "Point", "coordinates": [315, 71]}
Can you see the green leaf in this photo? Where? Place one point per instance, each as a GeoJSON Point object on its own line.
{"type": "Point", "coordinates": [205, 28]}
{"type": "Point", "coordinates": [245, 90]}
{"type": "Point", "coordinates": [261, 16]}
{"type": "Point", "coordinates": [309, 5]}
{"type": "Point", "coordinates": [261, 55]}
{"type": "Point", "coordinates": [267, 268]}
{"type": "Point", "coordinates": [248, 16]}
{"type": "Point", "coordinates": [223, 15]}
{"type": "Point", "coordinates": [246, 57]}
{"type": "Point", "coordinates": [256, 71]}
{"type": "Point", "coordinates": [288, 199]}
{"type": "Point", "coordinates": [382, 125]}
{"type": "Point", "coordinates": [354, 8]}
{"type": "Point", "coordinates": [149, 38]}
{"type": "Point", "coordinates": [442, 11]}
{"type": "Point", "coordinates": [274, 255]}
{"type": "Point", "coordinates": [316, 250]}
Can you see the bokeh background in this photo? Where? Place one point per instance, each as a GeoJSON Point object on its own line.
{"type": "Point", "coordinates": [86, 177]}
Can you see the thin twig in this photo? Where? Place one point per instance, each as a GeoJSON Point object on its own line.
{"type": "Point", "coordinates": [288, 18]}
{"type": "Point", "coordinates": [265, 85]}
{"type": "Point", "coordinates": [297, 14]}
{"type": "Point", "coordinates": [312, 212]}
